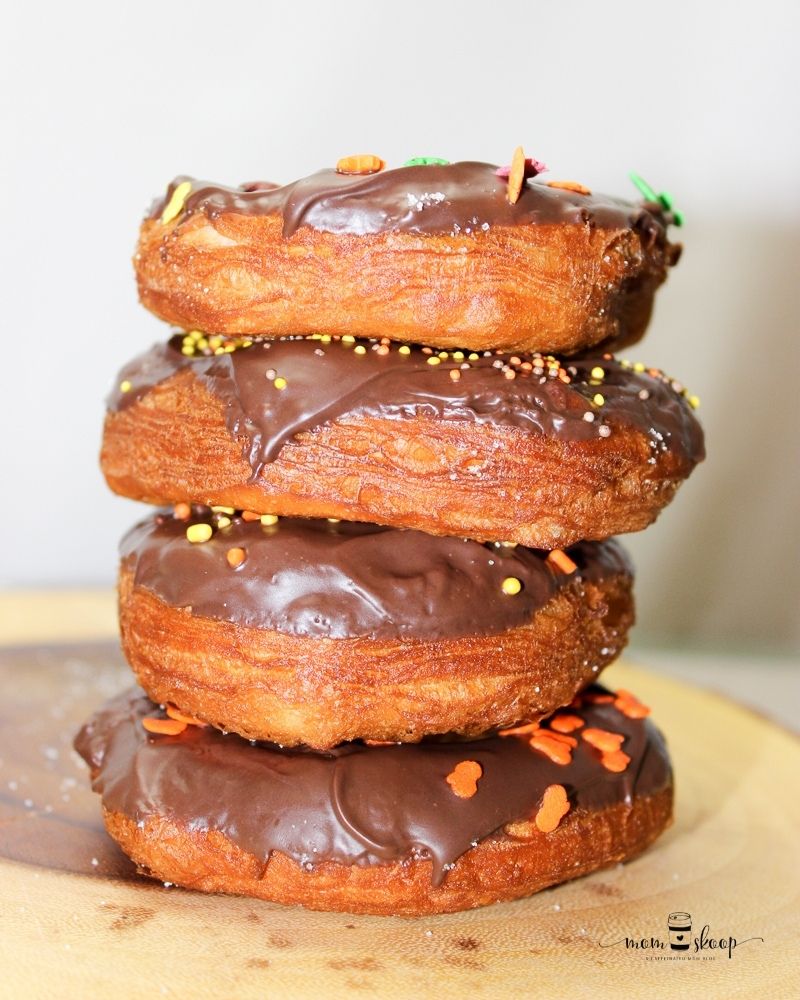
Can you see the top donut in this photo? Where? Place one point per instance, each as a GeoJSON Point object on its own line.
{"type": "Point", "coordinates": [454, 255]}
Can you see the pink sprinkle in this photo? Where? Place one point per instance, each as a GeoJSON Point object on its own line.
{"type": "Point", "coordinates": [532, 168]}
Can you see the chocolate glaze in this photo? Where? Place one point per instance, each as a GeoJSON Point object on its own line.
{"type": "Point", "coordinates": [328, 381]}
{"type": "Point", "coordinates": [354, 805]}
{"type": "Point", "coordinates": [465, 198]}
{"type": "Point", "coordinates": [347, 580]}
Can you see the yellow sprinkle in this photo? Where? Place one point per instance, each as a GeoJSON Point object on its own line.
{"type": "Point", "coordinates": [223, 510]}
{"type": "Point", "coordinates": [247, 343]}
{"type": "Point", "coordinates": [187, 350]}
{"type": "Point", "coordinates": [405, 349]}
{"type": "Point", "coordinates": [195, 334]}
{"type": "Point", "coordinates": [333, 520]}
{"type": "Point", "coordinates": [694, 402]}
{"type": "Point", "coordinates": [280, 382]}
{"type": "Point", "coordinates": [444, 355]}
{"type": "Point", "coordinates": [458, 355]}
{"type": "Point", "coordinates": [507, 545]}
{"type": "Point", "coordinates": [325, 338]}
{"type": "Point", "coordinates": [598, 372]}
{"type": "Point", "coordinates": [202, 343]}
{"type": "Point", "coordinates": [359, 349]}
{"type": "Point", "coordinates": [347, 339]}
{"type": "Point", "coordinates": [199, 533]}
{"type": "Point", "coordinates": [125, 386]}
{"type": "Point", "coordinates": [511, 585]}
{"type": "Point", "coordinates": [455, 374]}
{"type": "Point", "coordinates": [474, 356]}
{"type": "Point", "coordinates": [215, 342]}
{"type": "Point", "coordinates": [219, 350]}
{"type": "Point", "coordinates": [174, 206]}
{"type": "Point", "coordinates": [598, 399]}
{"type": "Point", "coordinates": [269, 519]}
{"type": "Point", "coordinates": [229, 348]}
{"type": "Point", "coordinates": [223, 521]}
{"type": "Point", "coordinates": [434, 360]}
{"type": "Point", "coordinates": [638, 367]}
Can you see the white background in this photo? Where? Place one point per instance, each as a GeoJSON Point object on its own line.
{"type": "Point", "coordinates": [103, 103]}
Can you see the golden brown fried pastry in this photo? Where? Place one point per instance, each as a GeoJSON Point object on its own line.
{"type": "Point", "coordinates": [427, 254]}
{"type": "Point", "coordinates": [315, 633]}
{"type": "Point", "coordinates": [404, 829]}
{"type": "Point", "coordinates": [519, 448]}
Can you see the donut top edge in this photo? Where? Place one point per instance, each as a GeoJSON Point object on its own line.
{"type": "Point", "coordinates": [367, 805]}
{"type": "Point", "coordinates": [273, 390]}
{"type": "Point", "coordinates": [345, 580]}
{"type": "Point", "coordinates": [465, 198]}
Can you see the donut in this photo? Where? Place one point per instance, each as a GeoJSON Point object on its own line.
{"type": "Point", "coordinates": [435, 254]}
{"type": "Point", "coordinates": [309, 632]}
{"type": "Point", "coordinates": [496, 447]}
{"type": "Point", "coordinates": [405, 829]}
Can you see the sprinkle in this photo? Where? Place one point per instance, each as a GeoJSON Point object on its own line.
{"type": "Point", "coordinates": [511, 585]}
{"type": "Point", "coordinates": [455, 374]}
{"type": "Point", "coordinates": [569, 186]}
{"type": "Point", "coordinates": [223, 521]}
{"type": "Point", "coordinates": [235, 557]}
{"type": "Point", "coordinates": [588, 417]}
{"type": "Point", "coordinates": [348, 338]}
{"type": "Point", "coordinates": [426, 161]}
{"type": "Point", "coordinates": [404, 349]}
{"type": "Point", "coordinates": [268, 519]}
{"type": "Point", "coordinates": [271, 374]}
{"type": "Point", "coordinates": [598, 399]}
{"type": "Point", "coordinates": [359, 349]}
{"type": "Point", "coordinates": [694, 402]}
{"type": "Point", "coordinates": [175, 205]}
{"type": "Point", "coordinates": [164, 727]}
{"type": "Point", "coordinates": [546, 743]}
{"type": "Point", "coordinates": [562, 561]}
{"type": "Point", "coordinates": [280, 382]}
{"type": "Point", "coordinates": [615, 760]}
{"type": "Point", "coordinates": [179, 716]}
{"type": "Point", "coordinates": [197, 533]}
{"type": "Point", "coordinates": [516, 175]}
{"type": "Point", "coordinates": [223, 510]}
{"type": "Point", "coordinates": [604, 431]}
{"type": "Point", "coordinates": [509, 373]}
{"type": "Point", "coordinates": [630, 705]}
{"type": "Point", "coordinates": [474, 357]}
{"type": "Point", "coordinates": [433, 360]}
{"type": "Point", "coordinates": [333, 520]}
{"type": "Point", "coordinates": [662, 198]}
{"type": "Point", "coordinates": [458, 355]}
{"type": "Point", "coordinates": [125, 385]}
{"type": "Point", "coordinates": [638, 367]}
{"type": "Point", "coordinates": [182, 511]}
{"type": "Point", "coordinates": [602, 739]}
{"type": "Point", "coordinates": [643, 394]}
{"type": "Point", "coordinates": [566, 723]}
{"type": "Point", "coordinates": [533, 167]}
{"type": "Point", "coordinates": [526, 729]}
{"type": "Point", "coordinates": [363, 163]}
{"type": "Point", "coordinates": [554, 807]}
{"type": "Point", "coordinates": [463, 779]}
{"type": "Point", "coordinates": [598, 372]}
{"type": "Point", "coordinates": [250, 515]}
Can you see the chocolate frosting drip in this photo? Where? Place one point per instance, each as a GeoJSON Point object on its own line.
{"type": "Point", "coordinates": [354, 805]}
{"type": "Point", "coordinates": [465, 198]}
{"type": "Point", "coordinates": [348, 580]}
{"type": "Point", "coordinates": [328, 381]}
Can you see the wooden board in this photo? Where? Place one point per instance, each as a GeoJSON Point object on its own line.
{"type": "Point", "coordinates": [76, 920]}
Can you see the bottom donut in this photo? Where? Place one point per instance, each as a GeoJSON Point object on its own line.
{"type": "Point", "coordinates": [397, 829]}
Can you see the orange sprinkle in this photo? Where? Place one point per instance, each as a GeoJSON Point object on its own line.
{"type": "Point", "coordinates": [554, 807]}
{"type": "Point", "coordinates": [250, 515]}
{"type": "Point", "coordinates": [164, 727]}
{"type": "Point", "coordinates": [364, 163]}
{"type": "Point", "coordinates": [380, 743]}
{"type": "Point", "coordinates": [615, 760]}
{"type": "Point", "coordinates": [524, 730]}
{"type": "Point", "coordinates": [562, 561]}
{"type": "Point", "coordinates": [179, 716]}
{"type": "Point", "coordinates": [569, 186]}
{"type": "Point", "coordinates": [597, 699]}
{"type": "Point", "coordinates": [463, 779]}
{"type": "Point", "coordinates": [182, 511]}
{"type": "Point", "coordinates": [553, 748]}
{"type": "Point", "coordinates": [566, 723]}
{"type": "Point", "coordinates": [516, 176]}
{"type": "Point", "coordinates": [629, 705]}
{"type": "Point", "coordinates": [603, 740]}
{"type": "Point", "coordinates": [568, 741]}
{"type": "Point", "coordinates": [235, 557]}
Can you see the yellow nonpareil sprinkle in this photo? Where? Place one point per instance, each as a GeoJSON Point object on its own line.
{"type": "Point", "coordinates": [474, 356]}
{"type": "Point", "coordinates": [359, 349]}
{"type": "Point", "coordinates": [199, 533]}
{"type": "Point", "coordinates": [269, 519]}
{"type": "Point", "coordinates": [223, 521]}
{"type": "Point", "coordinates": [125, 386]}
{"type": "Point", "coordinates": [511, 585]}
{"type": "Point", "coordinates": [434, 361]}
{"type": "Point", "coordinates": [188, 351]}
{"type": "Point", "coordinates": [405, 349]}
{"type": "Point", "coordinates": [444, 355]}
{"type": "Point", "coordinates": [598, 399]}
{"type": "Point", "coordinates": [175, 205]}
{"type": "Point", "coordinates": [458, 355]}
{"type": "Point", "coordinates": [348, 339]}
{"type": "Point", "coordinates": [280, 382]}
{"type": "Point", "coordinates": [694, 402]}
{"type": "Point", "coordinates": [638, 367]}
{"type": "Point", "coordinates": [223, 510]}
{"type": "Point", "coordinates": [598, 372]}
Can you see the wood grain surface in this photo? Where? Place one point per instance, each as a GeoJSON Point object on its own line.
{"type": "Point", "coordinates": [76, 919]}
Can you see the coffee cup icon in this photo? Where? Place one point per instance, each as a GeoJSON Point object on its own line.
{"type": "Point", "coordinates": [680, 931]}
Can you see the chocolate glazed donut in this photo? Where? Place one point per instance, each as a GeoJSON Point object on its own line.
{"type": "Point", "coordinates": [385, 830]}
{"type": "Point", "coordinates": [315, 633]}
{"type": "Point", "coordinates": [519, 448]}
{"type": "Point", "coordinates": [431, 254]}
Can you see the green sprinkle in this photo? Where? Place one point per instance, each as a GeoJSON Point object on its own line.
{"type": "Point", "coordinates": [643, 187]}
{"type": "Point", "coordinates": [426, 161]}
{"type": "Point", "coordinates": [664, 199]}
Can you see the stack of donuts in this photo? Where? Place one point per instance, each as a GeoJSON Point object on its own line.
{"type": "Point", "coordinates": [389, 442]}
